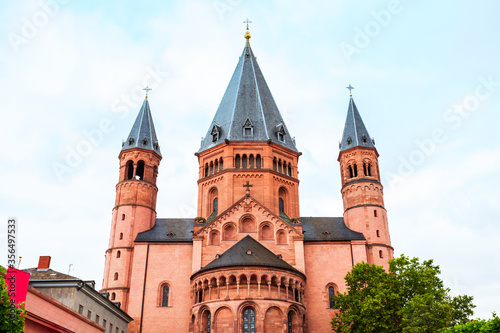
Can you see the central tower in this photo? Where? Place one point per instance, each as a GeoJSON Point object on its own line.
{"type": "Point", "coordinates": [248, 141]}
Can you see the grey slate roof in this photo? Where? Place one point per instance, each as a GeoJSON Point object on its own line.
{"type": "Point", "coordinates": [168, 230]}
{"type": "Point", "coordinates": [143, 133]}
{"type": "Point", "coordinates": [249, 101]}
{"type": "Point", "coordinates": [355, 130]}
{"type": "Point", "coordinates": [237, 255]}
{"type": "Point", "coordinates": [314, 227]}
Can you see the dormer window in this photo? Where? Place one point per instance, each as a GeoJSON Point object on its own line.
{"type": "Point", "coordinates": [326, 232]}
{"type": "Point", "coordinates": [131, 141]}
{"type": "Point", "coordinates": [247, 128]}
{"type": "Point", "coordinates": [349, 140]}
{"type": "Point", "coordinates": [170, 234]}
{"type": "Point", "coordinates": [280, 132]}
{"type": "Point", "coordinates": [249, 251]}
{"type": "Point", "coordinates": [145, 141]}
{"type": "Point", "coordinates": [215, 133]}
{"type": "Point", "coordinates": [364, 139]}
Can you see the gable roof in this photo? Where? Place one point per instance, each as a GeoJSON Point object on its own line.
{"type": "Point", "coordinates": [48, 274]}
{"type": "Point", "coordinates": [314, 228]}
{"type": "Point", "coordinates": [179, 230]}
{"type": "Point", "coordinates": [355, 130]}
{"type": "Point", "coordinates": [143, 134]}
{"type": "Point", "coordinates": [258, 255]}
{"type": "Point", "coordinates": [234, 208]}
{"type": "Point", "coordinates": [247, 97]}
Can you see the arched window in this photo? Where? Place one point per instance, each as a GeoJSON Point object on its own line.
{"type": "Point", "coordinates": [364, 169]}
{"type": "Point", "coordinates": [200, 296]}
{"type": "Point", "coordinates": [375, 213]}
{"type": "Point", "coordinates": [214, 238]}
{"type": "Point", "coordinates": [355, 169]}
{"type": "Point", "coordinates": [275, 164]}
{"type": "Point", "coordinates": [139, 173]}
{"type": "Point", "coordinates": [123, 217]}
{"type": "Point", "coordinates": [289, 170]}
{"type": "Point", "coordinates": [296, 295]}
{"type": "Point", "coordinates": [281, 237]}
{"type": "Point", "coordinates": [248, 225]}
{"type": "Point", "coordinates": [221, 164]}
{"type": "Point", "coordinates": [289, 323]}
{"type": "Point", "coordinates": [369, 169]}
{"type": "Point", "coordinates": [229, 232]}
{"type": "Point", "coordinates": [206, 169]}
{"type": "Point", "coordinates": [380, 254]}
{"type": "Point", "coordinates": [155, 173]}
{"type": "Point", "coordinates": [266, 232]}
{"type": "Point", "coordinates": [378, 233]}
{"type": "Point", "coordinates": [206, 322]}
{"type": "Point", "coordinates": [251, 161]}
{"type": "Point", "coordinates": [130, 170]}
{"type": "Point", "coordinates": [215, 205]}
{"type": "Point", "coordinates": [116, 275]}
{"type": "Point", "coordinates": [351, 173]}
{"type": "Point", "coordinates": [280, 167]}
{"type": "Point", "coordinates": [121, 235]}
{"type": "Point", "coordinates": [216, 166]}
{"type": "Point", "coordinates": [118, 254]}
{"type": "Point", "coordinates": [331, 293]}
{"type": "Point", "coordinates": [113, 296]}
{"type": "Point", "coordinates": [282, 201]}
{"type": "Point", "coordinates": [244, 161]}
{"type": "Point", "coordinates": [237, 161]}
{"type": "Point", "coordinates": [165, 290]}
{"type": "Point", "coordinates": [248, 320]}
{"type": "Point", "coordinates": [258, 162]}
{"type": "Point", "coordinates": [211, 168]}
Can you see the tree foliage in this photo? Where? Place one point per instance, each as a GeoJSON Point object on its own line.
{"type": "Point", "coordinates": [11, 316]}
{"type": "Point", "coordinates": [477, 326]}
{"type": "Point", "coordinates": [409, 298]}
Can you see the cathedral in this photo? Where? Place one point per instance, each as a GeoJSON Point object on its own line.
{"type": "Point", "coordinates": [248, 263]}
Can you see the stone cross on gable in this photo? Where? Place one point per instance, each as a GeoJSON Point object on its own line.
{"type": "Point", "coordinates": [248, 185]}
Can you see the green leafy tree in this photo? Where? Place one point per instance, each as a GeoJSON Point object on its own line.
{"type": "Point", "coordinates": [409, 298]}
{"type": "Point", "coordinates": [477, 326]}
{"type": "Point", "coordinates": [11, 317]}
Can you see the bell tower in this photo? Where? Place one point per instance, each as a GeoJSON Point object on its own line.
{"type": "Point", "coordinates": [248, 141]}
{"type": "Point", "coordinates": [362, 191]}
{"type": "Point", "coordinates": [135, 204]}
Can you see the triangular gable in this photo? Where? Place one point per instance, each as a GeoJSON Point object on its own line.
{"type": "Point", "coordinates": [239, 207]}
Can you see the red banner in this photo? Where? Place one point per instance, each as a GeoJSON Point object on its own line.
{"type": "Point", "coordinates": [17, 285]}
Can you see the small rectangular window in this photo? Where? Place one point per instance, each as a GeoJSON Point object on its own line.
{"type": "Point", "coordinates": [80, 309]}
{"type": "Point", "coordinates": [110, 328]}
{"type": "Point", "coordinates": [97, 319]}
{"type": "Point", "coordinates": [89, 314]}
{"type": "Point", "coordinates": [117, 330]}
{"type": "Point", "coordinates": [104, 322]}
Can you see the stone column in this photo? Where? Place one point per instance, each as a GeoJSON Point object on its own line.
{"type": "Point", "coordinates": [269, 284]}
{"type": "Point", "coordinates": [210, 292]}
{"type": "Point", "coordinates": [258, 284]}
{"type": "Point", "coordinates": [279, 289]}
{"type": "Point", "coordinates": [238, 289]}
{"type": "Point", "coordinates": [218, 289]}
{"type": "Point", "coordinates": [286, 285]}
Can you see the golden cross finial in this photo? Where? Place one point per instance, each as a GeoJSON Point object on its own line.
{"type": "Point", "coordinates": [147, 89]}
{"type": "Point", "coordinates": [247, 34]}
{"type": "Point", "coordinates": [350, 89]}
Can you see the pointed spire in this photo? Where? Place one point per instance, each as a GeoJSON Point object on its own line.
{"type": "Point", "coordinates": [247, 111]}
{"type": "Point", "coordinates": [355, 132]}
{"type": "Point", "coordinates": [143, 133]}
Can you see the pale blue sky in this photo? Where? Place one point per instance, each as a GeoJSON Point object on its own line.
{"type": "Point", "coordinates": [427, 82]}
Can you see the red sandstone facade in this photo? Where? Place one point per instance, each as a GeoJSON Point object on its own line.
{"type": "Point", "coordinates": [170, 282]}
